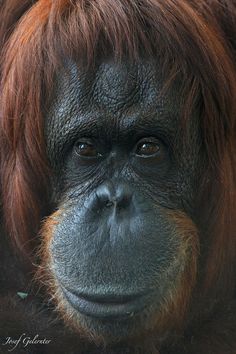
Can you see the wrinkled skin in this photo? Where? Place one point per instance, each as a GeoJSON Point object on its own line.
{"type": "Point", "coordinates": [120, 247]}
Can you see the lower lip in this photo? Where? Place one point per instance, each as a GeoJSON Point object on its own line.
{"type": "Point", "coordinates": [116, 308]}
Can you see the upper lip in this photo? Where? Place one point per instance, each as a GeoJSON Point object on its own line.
{"type": "Point", "coordinates": [105, 305]}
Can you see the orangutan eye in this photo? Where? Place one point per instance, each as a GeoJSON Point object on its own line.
{"type": "Point", "coordinates": [149, 148]}
{"type": "Point", "coordinates": [86, 150]}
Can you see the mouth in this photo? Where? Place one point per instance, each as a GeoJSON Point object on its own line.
{"type": "Point", "coordinates": [105, 306]}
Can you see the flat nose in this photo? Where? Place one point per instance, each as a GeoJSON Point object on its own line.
{"type": "Point", "coordinates": [111, 195]}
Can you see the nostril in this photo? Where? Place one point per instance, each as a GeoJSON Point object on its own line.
{"type": "Point", "coordinates": [109, 204]}
{"type": "Point", "coordinates": [108, 196]}
{"type": "Point", "coordinates": [123, 202]}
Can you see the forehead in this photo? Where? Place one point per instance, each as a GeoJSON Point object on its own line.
{"type": "Point", "coordinates": [112, 87]}
{"type": "Point", "coordinates": [121, 87]}
{"type": "Point", "coordinates": [110, 93]}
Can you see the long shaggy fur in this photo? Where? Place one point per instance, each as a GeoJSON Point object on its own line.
{"type": "Point", "coordinates": [192, 39]}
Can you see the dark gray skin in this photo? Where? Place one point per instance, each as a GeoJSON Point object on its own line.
{"type": "Point", "coordinates": [120, 171]}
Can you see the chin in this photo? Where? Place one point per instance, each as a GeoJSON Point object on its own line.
{"type": "Point", "coordinates": [113, 318]}
{"type": "Point", "coordinates": [106, 322]}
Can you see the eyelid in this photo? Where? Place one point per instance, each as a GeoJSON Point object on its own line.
{"type": "Point", "coordinates": [85, 140]}
{"type": "Point", "coordinates": [148, 139]}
